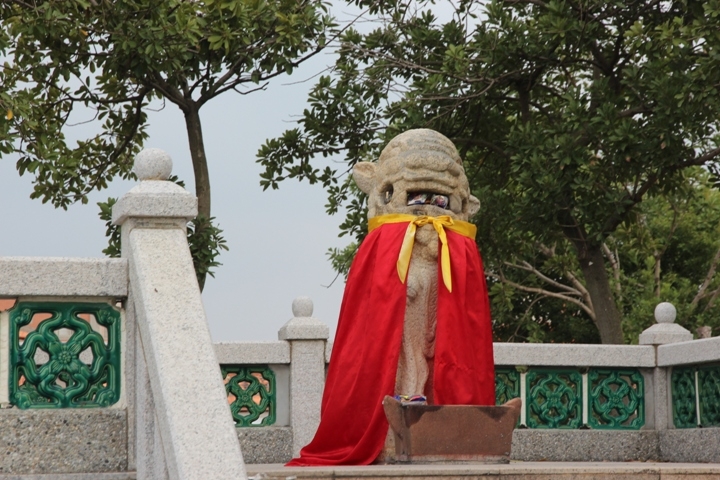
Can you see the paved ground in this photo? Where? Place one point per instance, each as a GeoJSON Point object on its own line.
{"type": "Point", "coordinates": [511, 471]}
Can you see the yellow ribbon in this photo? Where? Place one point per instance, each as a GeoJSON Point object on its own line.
{"type": "Point", "coordinates": [439, 224]}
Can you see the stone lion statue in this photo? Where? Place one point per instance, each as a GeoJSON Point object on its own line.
{"type": "Point", "coordinates": [415, 318]}
{"type": "Point", "coordinates": [416, 162]}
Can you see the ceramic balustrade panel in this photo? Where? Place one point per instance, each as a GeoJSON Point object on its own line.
{"type": "Point", "coordinates": [695, 391]}
{"type": "Point", "coordinates": [684, 405]}
{"type": "Point", "coordinates": [574, 398]}
{"type": "Point", "coordinates": [507, 384]}
{"type": "Point", "coordinates": [64, 355]}
{"type": "Point", "coordinates": [616, 399]}
{"type": "Point", "coordinates": [252, 394]}
{"type": "Point", "coordinates": [554, 398]}
{"type": "Point", "coordinates": [709, 395]}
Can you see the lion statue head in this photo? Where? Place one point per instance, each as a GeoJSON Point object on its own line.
{"type": "Point", "coordinates": [418, 173]}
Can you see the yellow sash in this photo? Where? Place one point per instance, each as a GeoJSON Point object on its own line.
{"type": "Point", "coordinates": [439, 223]}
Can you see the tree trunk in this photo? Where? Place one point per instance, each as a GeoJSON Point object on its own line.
{"type": "Point", "coordinates": [608, 318]}
{"type": "Point", "coordinates": [200, 169]}
{"type": "Point", "coordinates": [657, 256]}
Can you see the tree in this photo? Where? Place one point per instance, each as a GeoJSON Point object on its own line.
{"type": "Point", "coordinates": [115, 57]}
{"type": "Point", "coordinates": [670, 251]}
{"type": "Point", "coordinates": [567, 113]}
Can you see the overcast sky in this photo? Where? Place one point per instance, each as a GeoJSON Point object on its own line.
{"type": "Point", "coordinates": [278, 239]}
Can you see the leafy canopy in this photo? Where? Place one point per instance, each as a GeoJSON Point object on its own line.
{"type": "Point", "coordinates": [106, 62]}
{"type": "Point", "coordinates": [567, 113]}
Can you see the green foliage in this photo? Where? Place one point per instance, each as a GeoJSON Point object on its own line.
{"type": "Point", "coordinates": [671, 253]}
{"type": "Point", "coordinates": [568, 114]}
{"type": "Point", "coordinates": [341, 258]}
{"type": "Point", "coordinates": [104, 62]}
{"type": "Point", "coordinates": [205, 241]}
{"type": "Point", "coordinates": [112, 231]}
{"type": "Point", "coordinates": [535, 317]}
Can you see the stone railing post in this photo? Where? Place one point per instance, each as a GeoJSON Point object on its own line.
{"type": "Point", "coordinates": [663, 332]}
{"type": "Point", "coordinates": [307, 336]}
{"type": "Point", "coordinates": [183, 428]}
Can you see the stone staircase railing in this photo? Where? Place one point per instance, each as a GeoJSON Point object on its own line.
{"type": "Point", "coordinates": [107, 368]}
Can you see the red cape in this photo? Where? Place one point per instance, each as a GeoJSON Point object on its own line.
{"type": "Point", "coordinates": [365, 355]}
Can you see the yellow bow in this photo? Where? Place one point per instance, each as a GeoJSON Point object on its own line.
{"type": "Point", "coordinates": [439, 224]}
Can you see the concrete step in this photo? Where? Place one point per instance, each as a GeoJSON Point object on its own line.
{"type": "Point", "coordinates": [511, 471]}
{"type": "Point", "coordinates": [70, 476]}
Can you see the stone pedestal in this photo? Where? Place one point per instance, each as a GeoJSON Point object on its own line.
{"type": "Point", "coordinates": [452, 433]}
{"type": "Point", "coordinates": [665, 330]}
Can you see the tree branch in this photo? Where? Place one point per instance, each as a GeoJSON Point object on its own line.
{"type": "Point", "coordinates": [546, 293]}
{"type": "Point", "coordinates": [701, 160]}
{"type": "Point", "coordinates": [713, 297]}
{"type": "Point", "coordinates": [577, 284]}
{"type": "Point", "coordinates": [532, 2]}
{"type": "Point", "coordinates": [634, 111]}
{"type": "Point", "coordinates": [529, 268]}
{"type": "Point", "coordinates": [169, 91]}
{"type": "Point", "coordinates": [615, 264]}
{"type": "Point", "coordinates": [482, 143]}
{"type": "Point", "coordinates": [634, 198]}
{"type": "Point", "coordinates": [706, 283]}
{"type": "Point", "coordinates": [137, 115]}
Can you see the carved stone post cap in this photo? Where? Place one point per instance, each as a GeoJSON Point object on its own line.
{"type": "Point", "coordinates": [154, 197]}
{"type": "Point", "coordinates": [302, 307]}
{"type": "Point", "coordinates": [303, 326]}
{"type": "Point", "coordinates": [665, 312]}
{"type": "Point", "coordinates": [153, 164]}
{"type": "Point", "coordinates": [665, 330]}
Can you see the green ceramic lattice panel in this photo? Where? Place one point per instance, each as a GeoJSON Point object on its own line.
{"type": "Point", "coordinates": [251, 393]}
{"type": "Point", "coordinates": [48, 372]}
{"type": "Point", "coordinates": [709, 386]}
{"type": "Point", "coordinates": [507, 384]}
{"type": "Point", "coordinates": [554, 398]}
{"type": "Point", "coordinates": [616, 399]}
{"type": "Point", "coordinates": [683, 397]}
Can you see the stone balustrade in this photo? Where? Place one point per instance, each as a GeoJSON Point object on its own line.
{"type": "Point", "coordinates": [580, 402]}
{"type": "Point", "coordinates": [62, 392]}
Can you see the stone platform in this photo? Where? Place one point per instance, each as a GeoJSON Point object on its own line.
{"type": "Point", "coordinates": [511, 471]}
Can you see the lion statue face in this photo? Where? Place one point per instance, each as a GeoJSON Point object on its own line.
{"type": "Point", "coordinates": [418, 173]}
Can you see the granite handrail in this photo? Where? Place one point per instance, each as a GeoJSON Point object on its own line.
{"type": "Point", "coordinates": [63, 277]}
{"type": "Point", "coordinates": [182, 419]}
{"type": "Point", "coordinates": [704, 350]}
